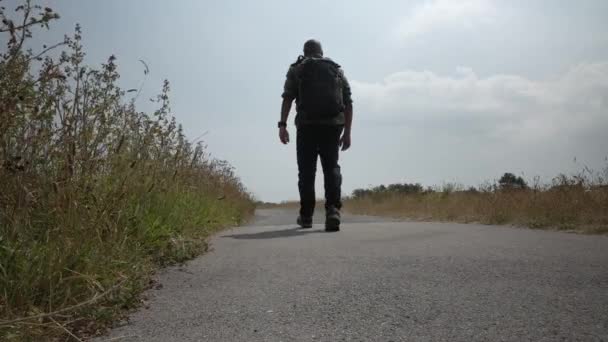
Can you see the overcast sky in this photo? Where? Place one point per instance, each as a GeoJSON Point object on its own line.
{"type": "Point", "coordinates": [443, 90]}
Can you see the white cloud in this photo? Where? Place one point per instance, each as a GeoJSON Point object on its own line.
{"type": "Point", "coordinates": [506, 107]}
{"type": "Point", "coordinates": [438, 14]}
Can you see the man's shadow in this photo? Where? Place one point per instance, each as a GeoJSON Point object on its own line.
{"type": "Point", "coordinates": [272, 234]}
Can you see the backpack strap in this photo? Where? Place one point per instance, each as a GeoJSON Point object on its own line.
{"type": "Point", "coordinates": [300, 59]}
{"type": "Point", "coordinates": [329, 60]}
{"type": "Point", "coordinates": [325, 59]}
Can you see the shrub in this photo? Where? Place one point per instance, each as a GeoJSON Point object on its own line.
{"type": "Point", "coordinates": [94, 192]}
{"type": "Point", "coordinates": [577, 202]}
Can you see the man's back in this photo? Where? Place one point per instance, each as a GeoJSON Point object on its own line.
{"type": "Point", "coordinates": [312, 92]}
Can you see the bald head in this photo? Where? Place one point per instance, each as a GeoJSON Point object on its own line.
{"type": "Point", "coordinates": [312, 48]}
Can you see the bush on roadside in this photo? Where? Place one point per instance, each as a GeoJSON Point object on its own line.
{"type": "Point", "coordinates": [95, 194]}
{"type": "Point", "coordinates": [578, 202]}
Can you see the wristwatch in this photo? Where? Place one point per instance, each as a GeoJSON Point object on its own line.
{"type": "Point", "coordinates": [282, 124]}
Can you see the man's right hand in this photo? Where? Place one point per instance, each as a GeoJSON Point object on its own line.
{"type": "Point", "coordinates": [284, 135]}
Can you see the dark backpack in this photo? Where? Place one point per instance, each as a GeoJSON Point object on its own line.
{"type": "Point", "coordinates": [320, 89]}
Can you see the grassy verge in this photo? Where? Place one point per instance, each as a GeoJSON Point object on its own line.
{"type": "Point", "coordinates": [106, 270]}
{"type": "Point", "coordinates": [568, 204]}
{"type": "Point", "coordinates": [95, 194]}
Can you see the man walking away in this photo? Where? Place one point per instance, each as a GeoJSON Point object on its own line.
{"type": "Point", "coordinates": [323, 121]}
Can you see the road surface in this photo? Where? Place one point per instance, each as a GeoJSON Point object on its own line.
{"type": "Point", "coordinates": [378, 280]}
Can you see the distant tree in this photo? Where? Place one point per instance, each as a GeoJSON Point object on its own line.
{"type": "Point", "coordinates": [360, 193]}
{"type": "Point", "coordinates": [379, 189]}
{"type": "Point", "coordinates": [397, 188]}
{"type": "Point", "coordinates": [472, 190]}
{"type": "Point", "coordinates": [405, 188]}
{"type": "Point", "coordinates": [510, 181]}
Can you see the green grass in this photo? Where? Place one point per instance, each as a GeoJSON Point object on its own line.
{"type": "Point", "coordinates": [67, 265]}
{"type": "Point", "coordinates": [95, 194]}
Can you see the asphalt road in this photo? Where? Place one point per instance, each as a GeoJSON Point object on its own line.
{"type": "Point", "coordinates": [381, 281]}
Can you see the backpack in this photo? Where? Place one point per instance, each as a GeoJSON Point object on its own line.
{"type": "Point", "coordinates": [320, 89]}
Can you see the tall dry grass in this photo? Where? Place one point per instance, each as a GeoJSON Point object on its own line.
{"type": "Point", "coordinates": [577, 203]}
{"type": "Point", "coordinates": [94, 193]}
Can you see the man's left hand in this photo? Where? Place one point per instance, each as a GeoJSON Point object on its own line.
{"type": "Point", "coordinates": [345, 141]}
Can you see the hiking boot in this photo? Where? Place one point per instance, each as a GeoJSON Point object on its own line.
{"type": "Point", "coordinates": [332, 220]}
{"type": "Point", "coordinates": [305, 222]}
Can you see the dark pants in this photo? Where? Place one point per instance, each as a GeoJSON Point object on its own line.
{"type": "Point", "coordinates": [322, 141]}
